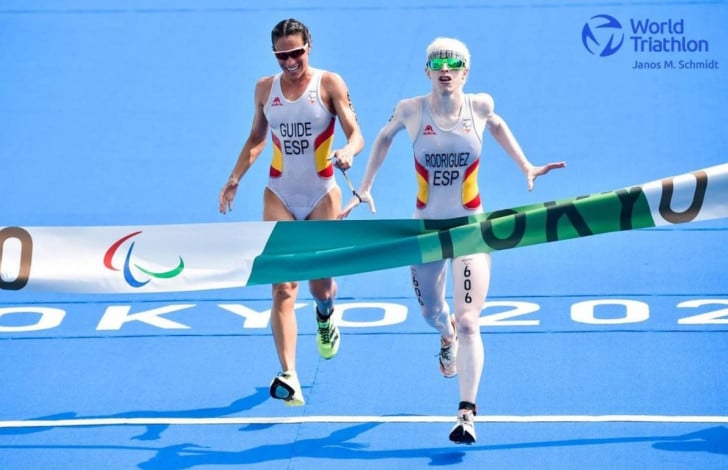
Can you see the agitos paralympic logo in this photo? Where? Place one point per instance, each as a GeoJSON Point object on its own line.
{"type": "Point", "coordinates": [127, 267]}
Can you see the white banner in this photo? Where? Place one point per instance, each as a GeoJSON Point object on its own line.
{"type": "Point", "coordinates": [126, 259]}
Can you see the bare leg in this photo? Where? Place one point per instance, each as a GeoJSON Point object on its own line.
{"type": "Point", "coordinates": [284, 325]}
{"type": "Point", "coordinates": [324, 290]}
{"type": "Point", "coordinates": [283, 315]}
{"type": "Point", "coordinates": [471, 279]}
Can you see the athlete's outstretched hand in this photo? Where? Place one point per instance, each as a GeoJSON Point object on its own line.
{"type": "Point", "coordinates": [537, 171]}
{"type": "Point", "coordinates": [359, 197]}
{"type": "Point", "coordinates": [227, 194]}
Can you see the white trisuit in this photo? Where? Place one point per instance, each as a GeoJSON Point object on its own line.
{"type": "Point", "coordinates": [446, 164]}
{"type": "Point", "coordinates": [303, 134]}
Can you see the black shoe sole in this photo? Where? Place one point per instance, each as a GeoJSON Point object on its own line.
{"type": "Point", "coordinates": [277, 383]}
{"type": "Point", "coordinates": [459, 436]}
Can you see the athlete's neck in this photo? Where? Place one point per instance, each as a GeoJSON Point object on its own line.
{"type": "Point", "coordinates": [446, 106]}
{"type": "Point", "coordinates": [294, 86]}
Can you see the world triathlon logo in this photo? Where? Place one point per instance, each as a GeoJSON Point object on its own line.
{"type": "Point", "coordinates": [130, 267]}
{"type": "Point", "coordinates": [602, 35]}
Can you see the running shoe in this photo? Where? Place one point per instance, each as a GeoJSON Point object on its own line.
{"type": "Point", "coordinates": [448, 358]}
{"type": "Point", "coordinates": [464, 430]}
{"type": "Point", "coordinates": [327, 337]}
{"type": "Point", "coordinates": [285, 386]}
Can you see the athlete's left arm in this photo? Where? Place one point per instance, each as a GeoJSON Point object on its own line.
{"type": "Point", "coordinates": [339, 100]}
{"type": "Point", "coordinates": [484, 108]}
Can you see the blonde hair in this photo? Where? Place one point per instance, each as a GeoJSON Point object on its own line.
{"type": "Point", "coordinates": [449, 47]}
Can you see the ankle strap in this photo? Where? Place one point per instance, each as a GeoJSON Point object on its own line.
{"type": "Point", "coordinates": [466, 405]}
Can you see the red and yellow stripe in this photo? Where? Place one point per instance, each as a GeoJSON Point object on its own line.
{"type": "Point", "coordinates": [322, 151]}
{"type": "Point", "coordinates": [423, 185]}
{"type": "Point", "coordinates": [276, 166]}
{"type": "Point", "coordinates": [471, 193]}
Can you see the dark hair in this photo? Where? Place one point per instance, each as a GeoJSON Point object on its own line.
{"type": "Point", "coordinates": [290, 27]}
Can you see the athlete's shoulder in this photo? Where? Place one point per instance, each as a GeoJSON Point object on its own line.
{"type": "Point", "coordinates": [483, 103]}
{"type": "Point", "coordinates": [263, 87]}
{"type": "Point", "coordinates": [409, 106]}
{"type": "Point", "coordinates": [406, 113]}
{"type": "Point", "coordinates": [329, 77]}
{"type": "Point", "coordinates": [482, 99]}
{"type": "Point", "coordinates": [265, 83]}
{"type": "Point", "coordinates": [268, 79]}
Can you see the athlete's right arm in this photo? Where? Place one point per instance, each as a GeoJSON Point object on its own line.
{"type": "Point", "coordinates": [380, 148]}
{"type": "Point", "coordinates": [253, 147]}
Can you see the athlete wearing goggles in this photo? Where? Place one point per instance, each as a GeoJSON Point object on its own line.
{"type": "Point", "coordinates": [444, 121]}
{"type": "Point", "coordinates": [453, 63]}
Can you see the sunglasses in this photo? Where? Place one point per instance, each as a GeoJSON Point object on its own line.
{"type": "Point", "coordinates": [453, 63]}
{"type": "Point", "coordinates": [295, 53]}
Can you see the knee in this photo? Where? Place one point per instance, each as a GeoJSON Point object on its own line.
{"type": "Point", "coordinates": [284, 291]}
{"type": "Point", "coordinates": [433, 312]}
{"type": "Point", "coordinates": [322, 289]}
{"type": "Point", "coordinates": [468, 323]}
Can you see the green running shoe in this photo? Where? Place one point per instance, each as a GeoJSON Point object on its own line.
{"type": "Point", "coordinates": [327, 338]}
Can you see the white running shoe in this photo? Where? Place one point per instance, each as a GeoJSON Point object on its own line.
{"type": "Point", "coordinates": [285, 386]}
{"type": "Point", "coordinates": [464, 431]}
{"type": "Point", "coordinates": [448, 358]}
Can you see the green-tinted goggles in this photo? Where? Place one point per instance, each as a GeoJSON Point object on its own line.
{"type": "Point", "coordinates": [453, 63]}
